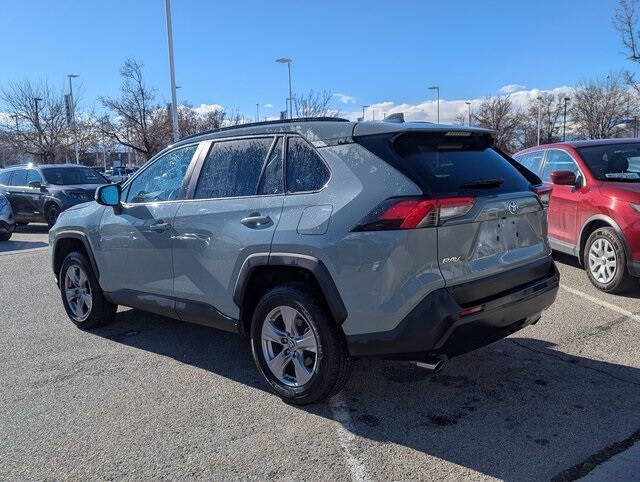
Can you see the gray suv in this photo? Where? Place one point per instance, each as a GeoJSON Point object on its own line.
{"type": "Point", "coordinates": [323, 240]}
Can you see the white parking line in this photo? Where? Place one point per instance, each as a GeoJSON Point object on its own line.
{"type": "Point", "coordinates": [602, 303]}
{"type": "Point", "coordinates": [345, 429]}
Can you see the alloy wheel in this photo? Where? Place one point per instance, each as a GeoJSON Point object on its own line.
{"type": "Point", "coordinates": [77, 291]}
{"type": "Point", "coordinates": [289, 346]}
{"type": "Point", "coordinates": [602, 261]}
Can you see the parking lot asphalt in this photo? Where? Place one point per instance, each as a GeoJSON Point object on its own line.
{"type": "Point", "coordinates": [149, 397]}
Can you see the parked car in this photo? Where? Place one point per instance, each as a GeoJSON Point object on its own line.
{"type": "Point", "coordinates": [7, 223]}
{"type": "Point", "coordinates": [118, 175]}
{"type": "Point", "coordinates": [594, 212]}
{"type": "Point", "coordinates": [323, 240]}
{"type": "Point", "coordinates": [41, 193]}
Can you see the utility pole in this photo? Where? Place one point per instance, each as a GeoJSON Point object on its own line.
{"type": "Point", "coordinates": [285, 60]}
{"type": "Point", "coordinates": [73, 117]}
{"type": "Point", "coordinates": [437, 89]}
{"type": "Point", "coordinates": [469, 109]}
{"type": "Point", "coordinates": [363, 108]}
{"type": "Point", "coordinates": [540, 117]}
{"type": "Point", "coordinates": [174, 104]}
{"type": "Point", "coordinates": [257, 112]}
{"type": "Point", "coordinates": [564, 124]}
{"type": "Point", "coordinates": [36, 100]}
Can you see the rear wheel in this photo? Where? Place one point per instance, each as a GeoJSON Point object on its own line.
{"type": "Point", "coordinates": [51, 213]}
{"type": "Point", "coordinates": [606, 262]}
{"type": "Point", "coordinates": [5, 236]}
{"type": "Point", "coordinates": [297, 347]}
{"type": "Point", "coordinates": [82, 296]}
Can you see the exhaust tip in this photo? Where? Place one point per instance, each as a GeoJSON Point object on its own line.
{"type": "Point", "coordinates": [434, 366]}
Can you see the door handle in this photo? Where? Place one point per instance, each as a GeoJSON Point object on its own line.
{"type": "Point", "coordinates": [255, 220]}
{"type": "Point", "coordinates": [160, 226]}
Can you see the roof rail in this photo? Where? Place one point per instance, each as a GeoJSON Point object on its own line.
{"type": "Point", "coordinates": [266, 123]}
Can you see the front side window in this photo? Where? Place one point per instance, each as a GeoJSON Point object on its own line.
{"type": "Point", "coordinates": [69, 176]}
{"type": "Point", "coordinates": [305, 170]}
{"type": "Point", "coordinates": [162, 180]}
{"type": "Point", "coordinates": [33, 176]}
{"type": "Point", "coordinates": [232, 168]}
{"type": "Point", "coordinates": [531, 160]}
{"type": "Point", "coordinates": [613, 162]}
{"type": "Point", "coordinates": [19, 178]}
{"type": "Point", "coordinates": [558, 161]}
{"type": "Point", "coordinates": [4, 177]}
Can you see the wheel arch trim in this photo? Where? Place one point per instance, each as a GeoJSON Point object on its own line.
{"type": "Point", "coordinates": [309, 263]}
{"type": "Point", "coordinates": [582, 242]}
{"type": "Point", "coordinates": [82, 237]}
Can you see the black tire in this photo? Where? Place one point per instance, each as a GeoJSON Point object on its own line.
{"type": "Point", "coordinates": [101, 311]}
{"type": "Point", "coordinates": [51, 214]}
{"type": "Point", "coordinates": [5, 236]}
{"type": "Point", "coordinates": [622, 281]}
{"type": "Point", "coordinates": [333, 361]}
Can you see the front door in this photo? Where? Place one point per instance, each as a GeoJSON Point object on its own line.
{"type": "Point", "coordinates": [236, 207]}
{"type": "Point", "coordinates": [563, 207]}
{"type": "Point", "coordinates": [136, 240]}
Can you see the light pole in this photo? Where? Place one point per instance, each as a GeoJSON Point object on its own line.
{"type": "Point", "coordinates": [257, 112]}
{"type": "Point", "coordinates": [539, 117]}
{"type": "Point", "coordinates": [174, 105]}
{"type": "Point", "coordinates": [564, 124]}
{"type": "Point", "coordinates": [437, 89]}
{"type": "Point", "coordinates": [36, 100]}
{"type": "Point", "coordinates": [363, 108]}
{"type": "Point", "coordinates": [285, 60]}
{"type": "Point", "coordinates": [73, 116]}
{"type": "Point", "coordinates": [469, 108]}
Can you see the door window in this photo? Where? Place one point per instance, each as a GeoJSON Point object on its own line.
{"type": "Point", "coordinates": [559, 161]}
{"type": "Point", "coordinates": [531, 161]}
{"type": "Point", "coordinates": [162, 180]}
{"type": "Point", "coordinates": [4, 178]}
{"type": "Point", "coordinates": [305, 169]}
{"type": "Point", "coordinates": [272, 182]}
{"type": "Point", "coordinates": [33, 176]}
{"type": "Point", "coordinates": [19, 178]}
{"type": "Point", "coordinates": [232, 168]}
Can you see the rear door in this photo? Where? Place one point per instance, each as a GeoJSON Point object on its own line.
{"type": "Point", "coordinates": [234, 207]}
{"type": "Point", "coordinates": [18, 195]}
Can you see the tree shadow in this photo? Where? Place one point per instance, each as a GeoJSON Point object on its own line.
{"type": "Point", "coordinates": [7, 246]}
{"type": "Point", "coordinates": [518, 409]}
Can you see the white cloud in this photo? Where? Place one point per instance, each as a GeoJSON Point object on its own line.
{"type": "Point", "coordinates": [268, 106]}
{"type": "Point", "coordinates": [206, 108]}
{"type": "Point", "coordinates": [511, 88]}
{"type": "Point", "coordinates": [345, 99]}
{"type": "Point", "coordinates": [450, 109]}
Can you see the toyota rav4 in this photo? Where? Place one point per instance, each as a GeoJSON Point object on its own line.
{"type": "Point", "coordinates": [323, 240]}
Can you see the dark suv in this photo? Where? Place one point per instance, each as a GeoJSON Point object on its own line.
{"type": "Point", "coordinates": [41, 193]}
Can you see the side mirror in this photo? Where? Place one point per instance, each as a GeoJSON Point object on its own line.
{"type": "Point", "coordinates": [108, 195]}
{"type": "Point", "coordinates": [563, 178]}
{"type": "Point", "coordinates": [35, 184]}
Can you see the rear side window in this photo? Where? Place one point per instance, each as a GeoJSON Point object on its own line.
{"type": "Point", "coordinates": [450, 165]}
{"type": "Point", "coordinates": [4, 177]}
{"type": "Point", "coordinates": [33, 176]}
{"type": "Point", "coordinates": [19, 178]}
{"type": "Point", "coordinates": [305, 170]}
{"type": "Point", "coordinates": [232, 168]}
{"type": "Point", "coordinates": [271, 182]}
{"type": "Point", "coordinates": [531, 160]}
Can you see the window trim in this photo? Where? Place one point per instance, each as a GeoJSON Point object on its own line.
{"type": "Point", "coordinates": [286, 163]}
{"type": "Point", "coordinates": [209, 143]}
{"type": "Point", "coordinates": [151, 162]}
{"type": "Point", "coordinates": [546, 158]}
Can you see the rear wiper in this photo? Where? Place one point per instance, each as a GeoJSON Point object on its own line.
{"type": "Point", "coordinates": [492, 182]}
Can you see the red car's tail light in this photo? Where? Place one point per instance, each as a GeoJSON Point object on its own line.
{"type": "Point", "coordinates": [544, 193]}
{"type": "Point", "coordinates": [411, 213]}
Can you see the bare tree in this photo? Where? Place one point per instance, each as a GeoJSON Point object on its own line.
{"type": "Point", "coordinates": [38, 124]}
{"type": "Point", "coordinates": [501, 115]}
{"type": "Point", "coordinates": [625, 22]}
{"type": "Point", "coordinates": [551, 107]}
{"type": "Point", "coordinates": [315, 104]}
{"type": "Point", "coordinates": [599, 108]}
{"type": "Point", "coordinates": [137, 121]}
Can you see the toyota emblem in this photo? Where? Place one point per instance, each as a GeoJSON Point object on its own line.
{"type": "Point", "coordinates": [512, 206]}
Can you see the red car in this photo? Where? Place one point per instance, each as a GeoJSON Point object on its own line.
{"type": "Point", "coordinates": [594, 211]}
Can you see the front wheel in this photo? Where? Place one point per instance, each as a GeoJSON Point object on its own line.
{"type": "Point", "coordinates": [52, 212]}
{"type": "Point", "coordinates": [82, 296]}
{"type": "Point", "coordinates": [606, 262]}
{"type": "Point", "coordinates": [298, 348]}
{"type": "Point", "coordinates": [5, 236]}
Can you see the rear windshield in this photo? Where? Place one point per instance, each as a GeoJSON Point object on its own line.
{"type": "Point", "coordinates": [613, 162]}
{"type": "Point", "coordinates": [65, 176]}
{"type": "Point", "coordinates": [444, 165]}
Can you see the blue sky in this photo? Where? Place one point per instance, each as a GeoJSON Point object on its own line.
{"type": "Point", "coordinates": [373, 51]}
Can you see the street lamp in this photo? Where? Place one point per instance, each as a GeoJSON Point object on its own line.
{"type": "Point", "coordinates": [469, 107]}
{"type": "Point", "coordinates": [285, 60]}
{"type": "Point", "coordinates": [174, 110]}
{"type": "Point", "coordinates": [564, 124]}
{"type": "Point", "coordinates": [363, 108]}
{"type": "Point", "coordinates": [72, 108]}
{"type": "Point", "coordinates": [539, 117]}
{"type": "Point", "coordinates": [437, 89]}
{"type": "Point", "coordinates": [257, 112]}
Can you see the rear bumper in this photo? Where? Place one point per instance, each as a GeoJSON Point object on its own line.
{"type": "Point", "coordinates": [435, 328]}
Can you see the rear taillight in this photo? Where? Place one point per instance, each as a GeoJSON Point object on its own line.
{"type": "Point", "coordinates": [412, 213]}
{"type": "Point", "coordinates": [544, 193]}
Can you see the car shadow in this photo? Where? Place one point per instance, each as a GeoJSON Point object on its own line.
{"type": "Point", "coordinates": [32, 228]}
{"type": "Point", "coordinates": [518, 409]}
